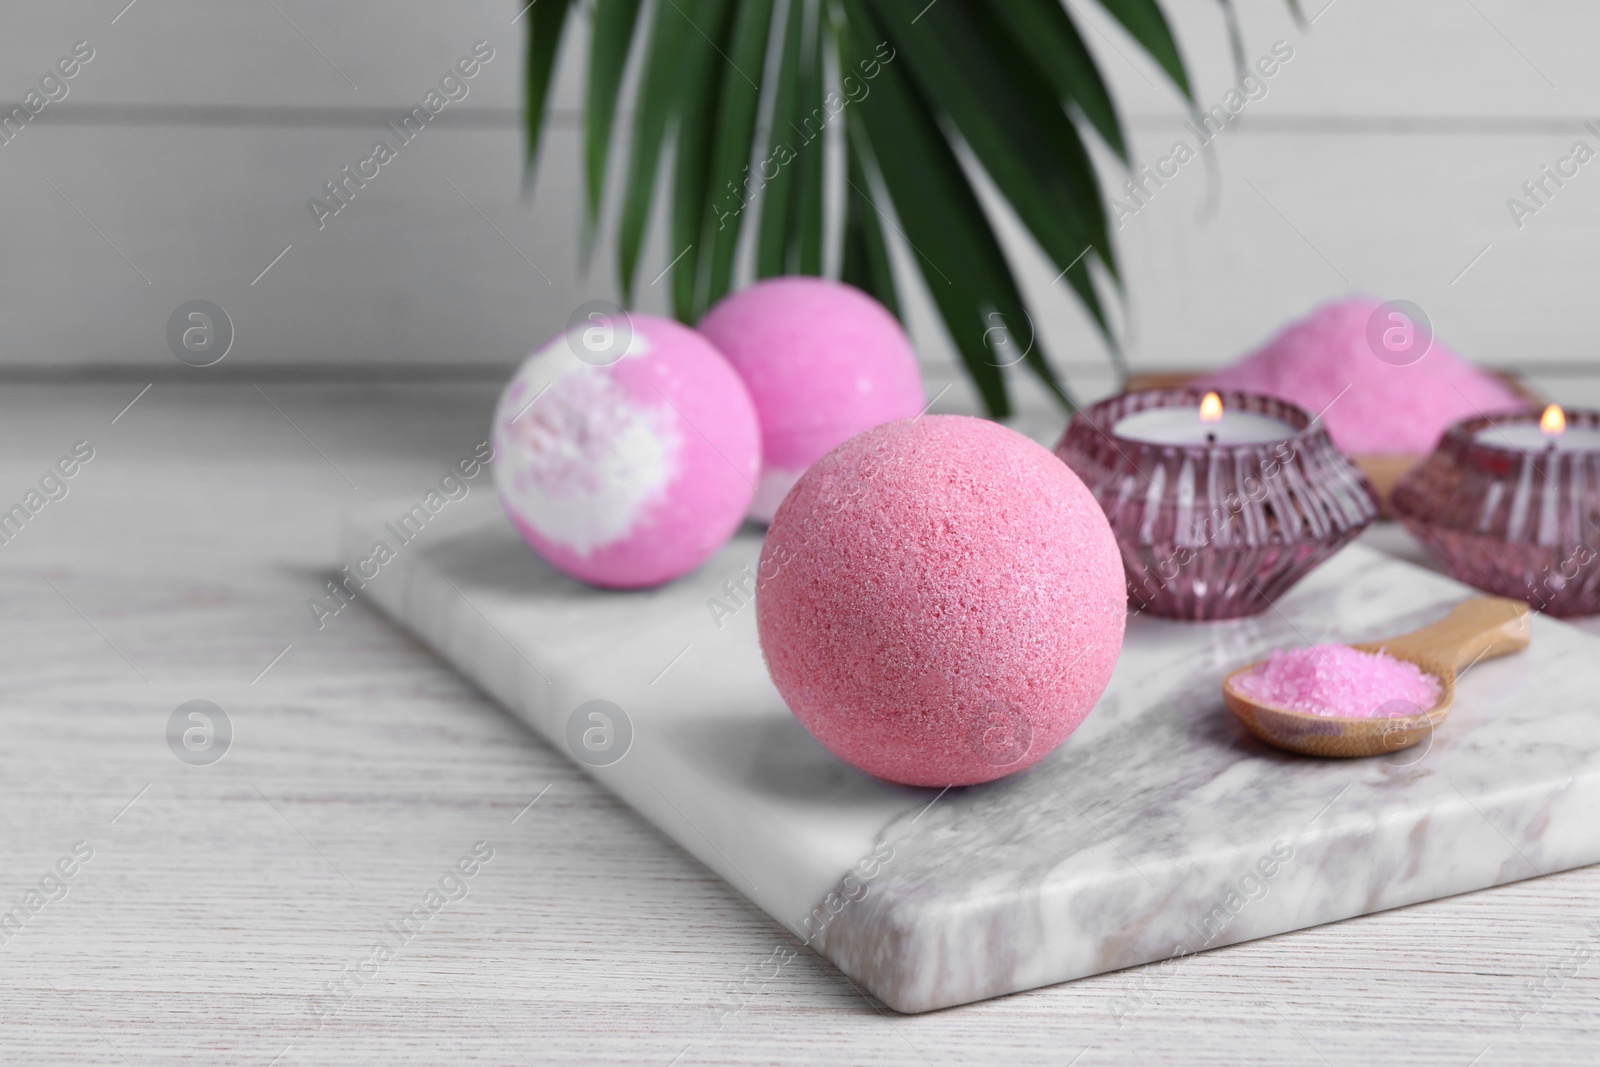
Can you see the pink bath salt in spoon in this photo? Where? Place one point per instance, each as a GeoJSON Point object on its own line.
{"type": "Point", "coordinates": [1380, 696]}
{"type": "Point", "coordinates": [1340, 680]}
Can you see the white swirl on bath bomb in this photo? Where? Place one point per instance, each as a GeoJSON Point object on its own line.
{"type": "Point", "coordinates": [585, 460]}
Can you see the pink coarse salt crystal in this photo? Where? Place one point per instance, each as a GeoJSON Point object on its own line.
{"type": "Point", "coordinates": [1341, 681]}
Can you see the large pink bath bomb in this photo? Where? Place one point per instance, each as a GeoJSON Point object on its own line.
{"type": "Point", "coordinates": [823, 361]}
{"type": "Point", "coordinates": [626, 450]}
{"type": "Point", "coordinates": [1382, 388]}
{"type": "Point", "coordinates": [940, 601]}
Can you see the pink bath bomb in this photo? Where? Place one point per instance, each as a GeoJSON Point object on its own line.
{"type": "Point", "coordinates": [1391, 406]}
{"type": "Point", "coordinates": [823, 361]}
{"type": "Point", "coordinates": [626, 451]}
{"type": "Point", "coordinates": [940, 601]}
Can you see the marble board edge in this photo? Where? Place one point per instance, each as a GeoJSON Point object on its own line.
{"type": "Point", "coordinates": [1507, 796]}
{"type": "Point", "coordinates": [417, 593]}
{"type": "Point", "coordinates": [918, 961]}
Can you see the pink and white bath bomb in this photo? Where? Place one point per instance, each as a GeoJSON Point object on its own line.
{"type": "Point", "coordinates": [823, 361]}
{"type": "Point", "coordinates": [940, 601]}
{"type": "Point", "coordinates": [629, 468]}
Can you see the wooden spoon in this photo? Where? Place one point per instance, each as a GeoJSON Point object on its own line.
{"type": "Point", "coordinates": [1480, 628]}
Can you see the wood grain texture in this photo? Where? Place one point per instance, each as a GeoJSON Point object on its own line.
{"type": "Point", "coordinates": [224, 897]}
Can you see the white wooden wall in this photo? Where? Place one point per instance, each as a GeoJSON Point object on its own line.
{"type": "Point", "coordinates": [181, 163]}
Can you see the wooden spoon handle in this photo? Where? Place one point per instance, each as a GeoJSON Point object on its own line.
{"type": "Point", "coordinates": [1480, 628]}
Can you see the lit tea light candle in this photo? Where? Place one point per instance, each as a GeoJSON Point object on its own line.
{"type": "Point", "coordinates": [1219, 502]}
{"type": "Point", "coordinates": [1207, 425]}
{"type": "Point", "coordinates": [1506, 503]}
{"type": "Point", "coordinates": [1551, 432]}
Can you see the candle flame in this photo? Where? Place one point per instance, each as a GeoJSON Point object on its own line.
{"type": "Point", "coordinates": [1211, 408]}
{"type": "Point", "coordinates": [1553, 423]}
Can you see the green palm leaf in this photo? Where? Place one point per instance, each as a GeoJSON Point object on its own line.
{"type": "Point", "coordinates": [728, 187]}
{"type": "Point", "coordinates": [807, 126]}
{"type": "Point", "coordinates": [957, 253]}
{"type": "Point", "coordinates": [545, 23]}
{"type": "Point", "coordinates": [1011, 80]}
{"type": "Point", "coordinates": [1144, 21]}
{"type": "Point", "coordinates": [773, 235]}
{"type": "Point", "coordinates": [654, 107]}
{"type": "Point", "coordinates": [611, 40]}
{"type": "Point", "coordinates": [866, 263]}
{"type": "Point", "coordinates": [1008, 116]}
{"type": "Point", "coordinates": [1042, 30]}
{"type": "Point", "coordinates": [699, 62]}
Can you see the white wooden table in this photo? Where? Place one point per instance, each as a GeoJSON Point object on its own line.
{"type": "Point", "coordinates": [220, 900]}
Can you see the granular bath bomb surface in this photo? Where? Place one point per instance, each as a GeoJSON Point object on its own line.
{"type": "Point", "coordinates": [1389, 407]}
{"type": "Point", "coordinates": [823, 361]}
{"type": "Point", "coordinates": [940, 601]}
{"type": "Point", "coordinates": [626, 451]}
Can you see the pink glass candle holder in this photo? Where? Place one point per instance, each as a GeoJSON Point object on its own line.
{"type": "Point", "coordinates": [1514, 509]}
{"type": "Point", "coordinates": [1215, 520]}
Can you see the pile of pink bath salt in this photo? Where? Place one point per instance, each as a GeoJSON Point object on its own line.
{"type": "Point", "coordinates": [1340, 680]}
{"type": "Point", "coordinates": [1387, 409]}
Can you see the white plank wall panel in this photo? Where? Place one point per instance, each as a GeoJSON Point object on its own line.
{"type": "Point", "coordinates": [252, 53]}
{"type": "Point", "coordinates": [195, 138]}
{"type": "Point", "coordinates": [1373, 57]}
{"type": "Point", "coordinates": [408, 270]}
{"type": "Point", "coordinates": [1302, 217]}
{"type": "Point", "coordinates": [1377, 57]}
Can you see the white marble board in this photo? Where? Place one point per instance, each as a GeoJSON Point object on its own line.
{"type": "Point", "coordinates": [1158, 829]}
